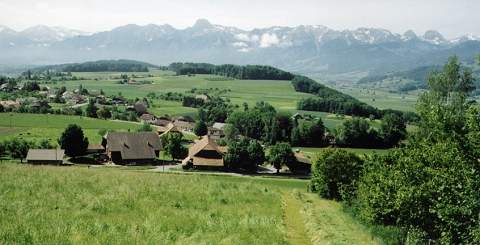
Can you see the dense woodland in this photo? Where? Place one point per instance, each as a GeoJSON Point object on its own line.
{"type": "Point", "coordinates": [251, 72]}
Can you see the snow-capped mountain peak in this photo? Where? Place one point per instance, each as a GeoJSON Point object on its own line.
{"type": "Point", "coordinates": [434, 37]}
{"type": "Point", "coordinates": [409, 35]}
{"type": "Point", "coordinates": [466, 38]}
{"type": "Point", "coordinates": [47, 34]}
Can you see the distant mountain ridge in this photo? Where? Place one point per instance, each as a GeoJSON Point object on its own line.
{"type": "Point", "coordinates": [307, 49]}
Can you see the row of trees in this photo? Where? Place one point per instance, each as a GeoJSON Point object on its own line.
{"type": "Point", "coordinates": [95, 66]}
{"type": "Point", "coordinates": [253, 72]}
{"type": "Point", "coordinates": [358, 133]}
{"type": "Point", "coordinates": [329, 100]}
{"type": "Point", "coordinates": [247, 154]}
{"type": "Point", "coordinates": [429, 187]}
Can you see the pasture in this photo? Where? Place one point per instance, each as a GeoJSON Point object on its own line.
{"type": "Point", "coordinates": [45, 126]}
{"type": "Point", "coordinates": [280, 94]}
{"type": "Point", "coordinates": [311, 151]}
{"type": "Point", "coordinates": [52, 205]}
{"type": "Point", "coordinates": [383, 99]}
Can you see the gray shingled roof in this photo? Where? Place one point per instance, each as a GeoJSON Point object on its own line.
{"type": "Point", "coordinates": [132, 146]}
{"type": "Point", "coordinates": [45, 155]}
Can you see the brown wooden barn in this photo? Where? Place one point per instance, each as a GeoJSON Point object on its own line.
{"type": "Point", "coordinates": [132, 148]}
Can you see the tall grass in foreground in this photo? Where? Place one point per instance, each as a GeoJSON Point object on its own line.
{"type": "Point", "coordinates": [55, 205]}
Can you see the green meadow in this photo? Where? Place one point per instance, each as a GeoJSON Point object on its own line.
{"type": "Point", "coordinates": [45, 126]}
{"type": "Point", "coordinates": [78, 205]}
{"type": "Point", "coordinates": [383, 99]}
{"type": "Point", "coordinates": [278, 93]}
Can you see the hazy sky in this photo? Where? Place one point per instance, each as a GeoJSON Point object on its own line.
{"type": "Point", "coordinates": [450, 17]}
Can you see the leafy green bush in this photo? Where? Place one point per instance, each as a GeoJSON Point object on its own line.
{"type": "Point", "coordinates": [432, 187]}
{"type": "Point", "coordinates": [281, 154]}
{"type": "Point", "coordinates": [335, 173]}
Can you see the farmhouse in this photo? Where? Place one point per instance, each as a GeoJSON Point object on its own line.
{"type": "Point", "coordinates": [10, 104]}
{"type": "Point", "coordinates": [162, 122]}
{"type": "Point", "coordinates": [205, 153]}
{"type": "Point", "coordinates": [203, 97]}
{"type": "Point", "coordinates": [216, 131]}
{"type": "Point", "coordinates": [148, 118]}
{"type": "Point", "coordinates": [170, 128]}
{"type": "Point", "coordinates": [132, 148]}
{"type": "Point", "coordinates": [45, 156]}
{"type": "Point", "coordinates": [184, 125]}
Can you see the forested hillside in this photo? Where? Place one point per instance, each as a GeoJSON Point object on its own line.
{"type": "Point", "coordinates": [252, 72]}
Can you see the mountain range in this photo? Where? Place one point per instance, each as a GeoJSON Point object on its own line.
{"type": "Point", "coordinates": [314, 50]}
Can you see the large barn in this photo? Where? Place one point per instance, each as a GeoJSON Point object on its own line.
{"type": "Point", "coordinates": [205, 153]}
{"type": "Point", "coordinates": [132, 148]}
{"type": "Point", "coordinates": [45, 156]}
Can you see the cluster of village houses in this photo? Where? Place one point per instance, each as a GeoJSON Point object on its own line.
{"type": "Point", "coordinates": [71, 98]}
{"type": "Point", "coordinates": [136, 148]}
{"type": "Point", "coordinates": [145, 147]}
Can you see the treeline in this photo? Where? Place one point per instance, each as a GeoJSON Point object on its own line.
{"type": "Point", "coordinates": [96, 66]}
{"type": "Point", "coordinates": [253, 72]}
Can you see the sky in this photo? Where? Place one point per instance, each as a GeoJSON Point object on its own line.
{"type": "Point", "coordinates": [452, 18]}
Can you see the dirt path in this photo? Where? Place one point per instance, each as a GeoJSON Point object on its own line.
{"type": "Point", "coordinates": [294, 222]}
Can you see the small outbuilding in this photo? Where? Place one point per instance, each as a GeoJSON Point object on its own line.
{"type": "Point", "coordinates": [45, 156]}
{"type": "Point", "coordinates": [94, 148]}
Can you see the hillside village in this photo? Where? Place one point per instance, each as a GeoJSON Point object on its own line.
{"type": "Point", "coordinates": [182, 138]}
{"type": "Point", "coordinates": [304, 153]}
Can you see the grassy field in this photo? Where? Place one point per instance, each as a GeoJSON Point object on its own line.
{"type": "Point", "coordinates": [44, 126]}
{"type": "Point", "coordinates": [382, 99]}
{"type": "Point", "coordinates": [63, 205]}
{"type": "Point", "coordinates": [278, 93]}
{"type": "Point", "coordinates": [311, 151]}
{"type": "Point", "coordinates": [326, 223]}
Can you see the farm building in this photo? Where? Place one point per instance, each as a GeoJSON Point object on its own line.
{"type": "Point", "coordinates": [203, 97]}
{"type": "Point", "coordinates": [216, 131]}
{"type": "Point", "coordinates": [184, 125]}
{"type": "Point", "coordinates": [162, 122]}
{"type": "Point", "coordinates": [45, 156]}
{"type": "Point", "coordinates": [303, 164]}
{"type": "Point", "coordinates": [205, 153]}
{"type": "Point", "coordinates": [148, 118]}
{"type": "Point", "coordinates": [10, 104]}
{"type": "Point", "coordinates": [170, 128]}
{"type": "Point", "coordinates": [93, 148]}
{"type": "Point", "coordinates": [132, 148]}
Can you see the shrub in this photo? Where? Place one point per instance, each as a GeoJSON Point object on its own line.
{"type": "Point", "coordinates": [335, 174]}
